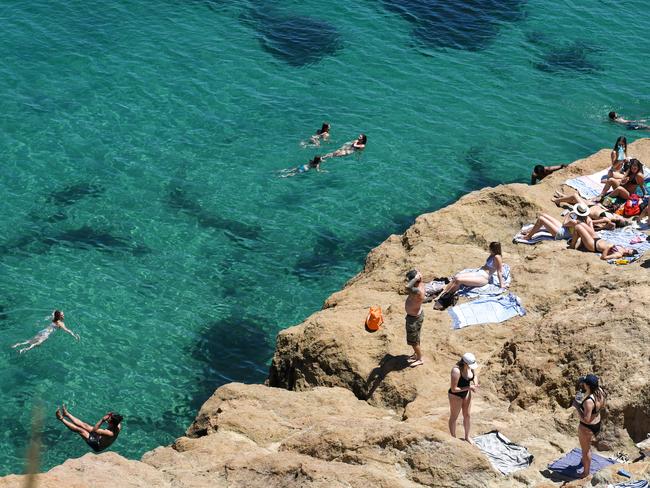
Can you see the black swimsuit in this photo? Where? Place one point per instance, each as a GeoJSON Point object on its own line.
{"type": "Point", "coordinates": [594, 428]}
{"type": "Point", "coordinates": [462, 383]}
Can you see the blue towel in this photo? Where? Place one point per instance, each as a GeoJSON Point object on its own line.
{"type": "Point", "coordinates": [584, 188]}
{"type": "Point", "coordinates": [491, 289]}
{"type": "Point", "coordinates": [631, 484]}
{"type": "Point", "coordinates": [569, 464]}
{"type": "Point", "coordinates": [486, 310]}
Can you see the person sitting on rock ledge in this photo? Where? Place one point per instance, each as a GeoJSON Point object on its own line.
{"type": "Point", "coordinates": [540, 172]}
{"type": "Point", "coordinates": [474, 278]}
{"type": "Point", "coordinates": [97, 438]}
{"type": "Point", "coordinates": [414, 315]}
{"type": "Point", "coordinates": [463, 374]}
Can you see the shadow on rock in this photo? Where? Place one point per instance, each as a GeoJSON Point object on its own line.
{"type": "Point", "coordinates": [387, 364]}
{"type": "Point", "coordinates": [458, 24]}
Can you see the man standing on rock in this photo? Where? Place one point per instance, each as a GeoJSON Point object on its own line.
{"type": "Point", "coordinates": [414, 315]}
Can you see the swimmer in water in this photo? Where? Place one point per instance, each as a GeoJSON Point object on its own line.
{"type": "Point", "coordinates": [629, 124]}
{"type": "Point", "coordinates": [540, 172]}
{"type": "Point", "coordinates": [43, 335]}
{"type": "Point", "coordinates": [322, 134]}
{"type": "Point", "coordinates": [313, 164]}
{"type": "Point", "coordinates": [359, 144]}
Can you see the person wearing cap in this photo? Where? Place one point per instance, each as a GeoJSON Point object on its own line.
{"type": "Point", "coordinates": [97, 438]}
{"type": "Point", "coordinates": [561, 230]}
{"type": "Point", "coordinates": [414, 315]}
{"type": "Point", "coordinates": [540, 172]}
{"type": "Point", "coordinates": [589, 412]}
{"type": "Point", "coordinates": [463, 374]}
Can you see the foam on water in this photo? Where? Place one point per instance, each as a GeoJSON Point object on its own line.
{"type": "Point", "coordinates": [141, 143]}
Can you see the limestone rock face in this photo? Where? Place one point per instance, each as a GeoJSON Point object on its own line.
{"type": "Point", "coordinates": [344, 409]}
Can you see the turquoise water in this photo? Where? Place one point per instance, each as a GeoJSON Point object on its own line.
{"type": "Point", "coordinates": [141, 143]}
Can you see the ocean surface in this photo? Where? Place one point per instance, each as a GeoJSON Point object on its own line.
{"type": "Point", "coordinates": [140, 150]}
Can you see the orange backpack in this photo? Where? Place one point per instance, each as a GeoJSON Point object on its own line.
{"type": "Point", "coordinates": [374, 318]}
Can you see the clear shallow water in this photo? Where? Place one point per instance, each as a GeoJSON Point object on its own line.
{"type": "Point", "coordinates": [140, 144]}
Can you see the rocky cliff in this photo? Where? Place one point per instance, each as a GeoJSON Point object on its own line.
{"type": "Point", "coordinates": [344, 409]}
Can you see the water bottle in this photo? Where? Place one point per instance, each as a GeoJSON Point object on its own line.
{"type": "Point", "coordinates": [579, 396]}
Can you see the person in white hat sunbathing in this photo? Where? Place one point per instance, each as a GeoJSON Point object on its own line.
{"type": "Point", "coordinates": [561, 230]}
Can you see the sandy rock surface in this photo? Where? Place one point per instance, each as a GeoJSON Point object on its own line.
{"type": "Point", "coordinates": [344, 409]}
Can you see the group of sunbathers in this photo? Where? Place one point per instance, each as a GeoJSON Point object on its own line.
{"type": "Point", "coordinates": [623, 201]}
{"type": "Point", "coordinates": [322, 135]}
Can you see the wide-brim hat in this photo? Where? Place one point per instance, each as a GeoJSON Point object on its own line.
{"type": "Point", "coordinates": [581, 209]}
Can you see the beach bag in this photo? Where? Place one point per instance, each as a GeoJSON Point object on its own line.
{"type": "Point", "coordinates": [446, 300]}
{"type": "Point", "coordinates": [632, 207]}
{"type": "Point", "coordinates": [374, 318]}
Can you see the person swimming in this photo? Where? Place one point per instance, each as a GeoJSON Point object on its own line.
{"type": "Point", "coordinates": [43, 335]}
{"type": "Point", "coordinates": [629, 124]}
{"type": "Point", "coordinates": [359, 144]}
{"type": "Point", "coordinates": [312, 164]}
{"type": "Point", "coordinates": [322, 134]}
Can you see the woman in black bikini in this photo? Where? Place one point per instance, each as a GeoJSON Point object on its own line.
{"type": "Point", "coordinates": [589, 412]}
{"type": "Point", "coordinates": [460, 392]}
{"type": "Point", "coordinates": [589, 242]}
{"type": "Point", "coordinates": [359, 144]}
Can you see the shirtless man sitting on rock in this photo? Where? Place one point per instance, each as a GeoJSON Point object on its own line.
{"type": "Point", "coordinates": [414, 315]}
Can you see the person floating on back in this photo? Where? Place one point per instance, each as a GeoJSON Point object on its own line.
{"type": "Point", "coordinates": [312, 164]}
{"type": "Point", "coordinates": [359, 144]}
{"type": "Point", "coordinates": [629, 124]}
{"type": "Point", "coordinates": [414, 315]}
{"type": "Point", "coordinates": [97, 438]}
{"type": "Point", "coordinates": [43, 335]}
{"type": "Point", "coordinates": [540, 172]}
{"type": "Point", "coordinates": [322, 134]}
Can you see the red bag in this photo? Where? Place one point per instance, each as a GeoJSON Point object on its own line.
{"type": "Point", "coordinates": [632, 207]}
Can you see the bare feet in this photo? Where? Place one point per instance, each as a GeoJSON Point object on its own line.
{"type": "Point", "coordinates": [469, 440]}
{"type": "Point", "coordinates": [59, 416]}
{"type": "Point", "coordinates": [64, 409]}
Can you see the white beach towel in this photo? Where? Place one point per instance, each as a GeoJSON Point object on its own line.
{"type": "Point", "coordinates": [504, 455]}
{"type": "Point", "coordinates": [540, 236]}
{"type": "Point", "coordinates": [486, 310]}
{"type": "Point", "coordinates": [588, 186]}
